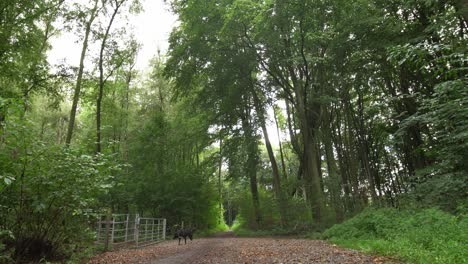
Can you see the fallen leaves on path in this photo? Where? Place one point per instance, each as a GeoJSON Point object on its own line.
{"type": "Point", "coordinates": [239, 250]}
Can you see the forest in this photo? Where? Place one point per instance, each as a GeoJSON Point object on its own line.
{"type": "Point", "coordinates": [322, 119]}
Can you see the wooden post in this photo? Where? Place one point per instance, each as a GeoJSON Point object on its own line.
{"type": "Point", "coordinates": [158, 232]}
{"type": "Point", "coordinates": [126, 227]}
{"type": "Point", "coordinates": [137, 232]}
{"type": "Point", "coordinates": [152, 230]}
{"type": "Point", "coordinates": [108, 219]}
{"type": "Point", "coordinates": [146, 229]}
{"type": "Point", "coordinates": [113, 228]}
{"type": "Point", "coordinates": [164, 229]}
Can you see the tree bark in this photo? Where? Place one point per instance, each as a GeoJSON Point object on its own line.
{"type": "Point", "coordinates": [283, 164]}
{"type": "Point", "coordinates": [220, 165]}
{"type": "Point", "coordinates": [79, 78]}
{"type": "Point", "coordinates": [333, 173]}
{"type": "Point", "coordinates": [274, 165]}
{"type": "Point", "coordinates": [101, 76]}
{"type": "Point", "coordinates": [311, 165]}
{"type": "Point", "coordinates": [251, 166]}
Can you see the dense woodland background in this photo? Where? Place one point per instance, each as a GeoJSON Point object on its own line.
{"type": "Point", "coordinates": [369, 99]}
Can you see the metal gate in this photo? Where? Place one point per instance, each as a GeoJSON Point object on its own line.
{"type": "Point", "coordinates": [124, 230]}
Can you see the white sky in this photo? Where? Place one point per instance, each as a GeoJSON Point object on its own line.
{"type": "Point", "coordinates": [151, 28]}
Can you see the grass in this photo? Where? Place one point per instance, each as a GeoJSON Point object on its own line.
{"type": "Point", "coordinates": [206, 232]}
{"type": "Point", "coordinates": [244, 232]}
{"type": "Point", "coordinates": [414, 236]}
{"type": "Point", "coordinates": [410, 235]}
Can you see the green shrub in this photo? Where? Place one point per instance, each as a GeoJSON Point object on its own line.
{"type": "Point", "coordinates": [417, 236]}
{"type": "Point", "coordinates": [298, 214]}
{"type": "Point", "coordinates": [44, 193]}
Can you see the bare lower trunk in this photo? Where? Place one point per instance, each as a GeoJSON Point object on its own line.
{"type": "Point", "coordinates": [311, 164]}
{"type": "Point", "coordinates": [312, 178]}
{"type": "Point", "coordinates": [283, 164]}
{"type": "Point", "coordinates": [251, 166]}
{"type": "Point", "coordinates": [333, 173]}
{"type": "Point", "coordinates": [220, 165]}
{"type": "Point", "coordinates": [274, 165]}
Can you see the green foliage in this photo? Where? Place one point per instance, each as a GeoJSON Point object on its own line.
{"type": "Point", "coordinates": [5, 254]}
{"type": "Point", "coordinates": [220, 226]}
{"type": "Point", "coordinates": [268, 208]}
{"type": "Point", "coordinates": [170, 157]}
{"type": "Point", "coordinates": [244, 232]}
{"type": "Point", "coordinates": [377, 114]}
{"type": "Point", "coordinates": [298, 215]}
{"type": "Point", "coordinates": [446, 181]}
{"type": "Point", "coordinates": [46, 190]}
{"type": "Point", "coordinates": [417, 236]}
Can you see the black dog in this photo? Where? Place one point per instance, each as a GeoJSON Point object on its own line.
{"type": "Point", "coordinates": [184, 233]}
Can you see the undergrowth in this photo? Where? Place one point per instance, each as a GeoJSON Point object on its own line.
{"type": "Point", "coordinates": [415, 236]}
{"type": "Point", "coordinates": [209, 231]}
{"type": "Point", "coordinates": [241, 230]}
{"type": "Point", "coordinates": [244, 232]}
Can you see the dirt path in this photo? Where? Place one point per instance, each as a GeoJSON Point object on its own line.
{"type": "Point", "coordinates": [225, 249]}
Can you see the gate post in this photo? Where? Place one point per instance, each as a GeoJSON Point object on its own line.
{"type": "Point", "coordinates": [137, 231]}
{"type": "Point", "coordinates": [146, 229]}
{"type": "Point", "coordinates": [126, 227]}
{"type": "Point", "coordinates": [113, 228]}
{"type": "Point", "coordinates": [108, 219]}
{"type": "Point", "coordinates": [164, 229]}
{"type": "Point", "coordinates": [152, 231]}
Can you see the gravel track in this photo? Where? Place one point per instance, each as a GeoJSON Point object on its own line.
{"type": "Point", "coordinates": [225, 249]}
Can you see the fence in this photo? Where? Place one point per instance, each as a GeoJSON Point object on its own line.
{"type": "Point", "coordinates": [124, 230]}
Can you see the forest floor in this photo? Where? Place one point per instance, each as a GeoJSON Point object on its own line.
{"type": "Point", "coordinates": [225, 248]}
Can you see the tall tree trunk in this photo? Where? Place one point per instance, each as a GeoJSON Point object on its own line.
{"type": "Point", "coordinates": [220, 165]}
{"type": "Point", "coordinates": [360, 199]}
{"type": "Point", "coordinates": [297, 150]}
{"type": "Point", "coordinates": [333, 173]}
{"type": "Point", "coordinates": [251, 166]}
{"type": "Point", "coordinates": [283, 164]}
{"type": "Point", "coordinates": [101, 76]}
{"type": "Point", "coordinates": [128, 80]}
{"type": "Point", "coordinates": [274, 165]}
{"type": "Point", "coordinates": [79, 78]}
{"type": "Point", "coordinates": [311, 165]}
{"type": "Point", "coordinates": [344, 166]}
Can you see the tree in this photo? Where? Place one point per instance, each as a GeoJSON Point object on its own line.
{"type": "Point", "coordinates": [87, 17]}
{"type": "Point", "coordinates": [116, 5]}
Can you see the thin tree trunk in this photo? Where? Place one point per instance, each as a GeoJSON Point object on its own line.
{"type": "Point", "coordinates": [335, 181]}
{"type": "Point", "coordinates": [127, 106]}
{"type": "Point", "coordinates": [76, 93]}
{"type": "Point", "coordinates": [274, 165]}
{"type": "Point", "coordinates": [251, 166]}
{"type": "Point", "coordinates": [101, 76]}
{"type": "Point", "coordinates": [283, 164]}
{"type": "Point", "coordinates": [311, 165]}
{"type": "Point", "coordinates": [219, 173]}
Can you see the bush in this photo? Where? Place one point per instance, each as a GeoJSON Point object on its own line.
{"type": "Point", "coordinates": [298, 214]}
{"type": "Point", "coordinates": [44, 206]}
{"type": "Point", "coordinates": [419, 236]}
{"type": "Point", "coordinates": [44, 192]}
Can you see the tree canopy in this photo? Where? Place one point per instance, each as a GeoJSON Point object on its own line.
{"type": "Point", "coordinates": [264, 114]}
